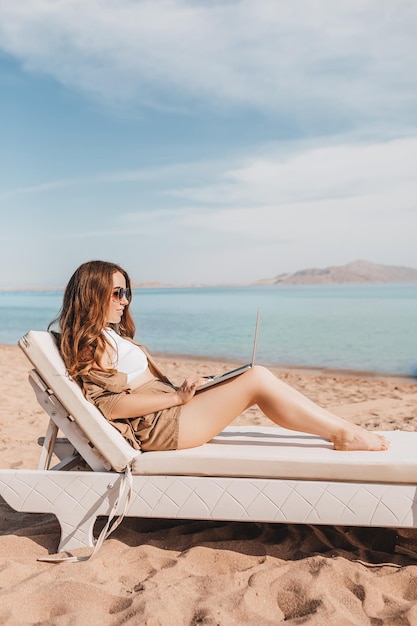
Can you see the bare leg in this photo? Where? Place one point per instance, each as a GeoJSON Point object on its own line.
{"type": "Point", "coordinates": [208, 413]}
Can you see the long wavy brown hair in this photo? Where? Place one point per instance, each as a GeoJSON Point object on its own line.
{"type": "Point", "coordinates": [83, 317]}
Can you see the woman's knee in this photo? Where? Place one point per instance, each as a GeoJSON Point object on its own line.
{"type": "Point", "coordinates": [261, 373]}
{"type": "Point", "coordinates": [260, 377]}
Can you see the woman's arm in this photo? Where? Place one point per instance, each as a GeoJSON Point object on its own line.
{"type": "Point", "coordinates": [134, 405]}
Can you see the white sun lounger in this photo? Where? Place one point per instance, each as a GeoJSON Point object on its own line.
{"type": "Point", "coordinates": [244, 474]}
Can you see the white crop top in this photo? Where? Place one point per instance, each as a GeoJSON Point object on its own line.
{"type": "Point", "coordinates": [130, 359]}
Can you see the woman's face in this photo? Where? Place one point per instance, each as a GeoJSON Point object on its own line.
{"type": "Point", "coordinates": [117, 304]}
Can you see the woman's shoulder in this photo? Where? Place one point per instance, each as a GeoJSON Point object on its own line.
{"type": "Point", "coordinates": [116, 337]}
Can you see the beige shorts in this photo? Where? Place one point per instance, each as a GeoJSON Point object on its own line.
{"type": "Point", "coordinates": [159, 430]}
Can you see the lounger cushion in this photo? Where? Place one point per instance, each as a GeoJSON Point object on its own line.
{"type": "Point", "coordinates": [263, 452]}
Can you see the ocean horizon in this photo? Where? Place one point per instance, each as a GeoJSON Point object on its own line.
{"type": "Point", "coordinates": [368, 328]}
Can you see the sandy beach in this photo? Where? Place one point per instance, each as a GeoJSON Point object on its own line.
{"type": "Point", "coordinates": [177, 573]}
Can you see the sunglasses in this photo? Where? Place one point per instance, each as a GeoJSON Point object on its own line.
{"type": "Point", "coordinates": [120, 293]}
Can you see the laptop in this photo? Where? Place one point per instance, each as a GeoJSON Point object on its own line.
{"type": "Point", "coordinates": [216, 380]}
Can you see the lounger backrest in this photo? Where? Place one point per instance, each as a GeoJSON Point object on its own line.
{"type": "Point", "coordinates": [41, 350]}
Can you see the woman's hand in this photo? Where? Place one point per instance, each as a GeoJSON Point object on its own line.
{"type": "Point", "coordinates": [188, 388]}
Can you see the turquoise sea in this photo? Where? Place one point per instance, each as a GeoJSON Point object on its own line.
{"type": "Point", "coordinates": [363, 328]}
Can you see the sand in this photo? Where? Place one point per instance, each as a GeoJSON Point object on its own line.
{"type": "Point", "coordinates": [163, 572]}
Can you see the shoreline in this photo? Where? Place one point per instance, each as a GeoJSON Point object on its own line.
{"type": "Point", "coordinates": [314, 370]}
{"type": "Point", "coordinates": [297, 369]}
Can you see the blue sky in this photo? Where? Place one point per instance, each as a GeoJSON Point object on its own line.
{"type": "Point", "coordinates": [206, 141]}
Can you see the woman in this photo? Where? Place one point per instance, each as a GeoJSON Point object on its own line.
{"type": "Point", "coordinates": [120, 377]}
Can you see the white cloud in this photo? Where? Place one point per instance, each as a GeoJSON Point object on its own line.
{"type": "Point", "coordinates": [308, 60]}
{"type": "Point", "coordinates": [322, 206]}
{"type": "Point", "coordinates": [243, 220]}
{"type": "Point", "coordinates": [313, 175]}
{"type": "Point", "coordinates": [308, 175]}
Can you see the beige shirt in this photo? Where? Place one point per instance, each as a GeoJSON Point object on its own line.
{"type": "Point", "coordinates": [104, 389]}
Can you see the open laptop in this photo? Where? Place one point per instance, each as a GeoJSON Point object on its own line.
{"type": "Point", "coordinates": [216, 380]}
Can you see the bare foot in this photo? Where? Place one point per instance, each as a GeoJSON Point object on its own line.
{"type": "Point", "coordinates": [360, 439]}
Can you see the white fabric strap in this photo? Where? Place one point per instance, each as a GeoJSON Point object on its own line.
{"type": "Point", "coordinates": [125, 494]}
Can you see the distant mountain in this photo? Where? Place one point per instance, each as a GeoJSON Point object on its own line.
{"type": "Point", "coordinates": [355, 272]}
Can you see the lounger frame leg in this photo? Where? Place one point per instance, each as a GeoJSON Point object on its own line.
{"type": "Point", "coordinates": [48, 446]}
